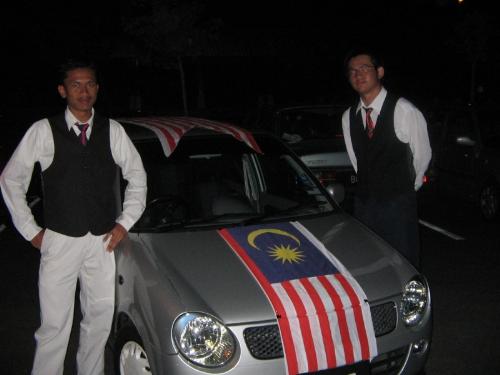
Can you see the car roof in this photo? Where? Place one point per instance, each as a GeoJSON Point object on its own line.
{"type": "Point", "coordinates": [170, 129]}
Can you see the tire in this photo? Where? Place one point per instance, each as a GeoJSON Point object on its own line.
{"type": "Point", "coordinates": [130, 355]}
{"type": "Point", "coordinates": [489, 201]}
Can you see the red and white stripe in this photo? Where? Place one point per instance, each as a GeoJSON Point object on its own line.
{"type": "Point", "coordinates": [328, 327]}
{"type": "Point", "coordinates": [170, 130]}
{"type": "Point", "coordinates": [325, 321]}
{"type": "Point", "coordinates": [346, 305]}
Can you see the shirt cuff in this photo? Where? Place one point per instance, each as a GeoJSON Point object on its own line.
{"type": "Point", "coordinates": [124, 222]}
{"type": "Point", "coordinates": [30, 232]}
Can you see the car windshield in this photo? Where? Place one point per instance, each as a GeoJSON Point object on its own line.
{"type": "Point", "coordinates": [216, 180]}
{"type": "Point", "coordinates": [311, 124]}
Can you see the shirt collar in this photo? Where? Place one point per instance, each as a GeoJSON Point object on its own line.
{"type": "Point", "coordinates": [377, 102]}
{"type": "Point", "coordinates": [71, 120]}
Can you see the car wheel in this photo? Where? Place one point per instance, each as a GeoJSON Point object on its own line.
{"type": "Point", "coordinates": [489, 201]}
{"type": "Point", "coordinates": [130, 355]}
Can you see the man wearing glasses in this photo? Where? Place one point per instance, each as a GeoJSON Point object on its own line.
{"type": "Point", "coordinates": [387, 142]}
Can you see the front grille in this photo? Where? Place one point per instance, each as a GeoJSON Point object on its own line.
{"type": "Point", "coordinates": [384, 318]}
{"type": "Point", "coordinates": [264, 342]}
{"type": "Point", "coordinates": [389, 363]}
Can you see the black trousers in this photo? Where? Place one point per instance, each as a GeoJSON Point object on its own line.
{"type": "Point", "coordinates": [394, 219]}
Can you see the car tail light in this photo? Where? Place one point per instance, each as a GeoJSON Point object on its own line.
{"type": "Point", "coordinates": [326, 177]}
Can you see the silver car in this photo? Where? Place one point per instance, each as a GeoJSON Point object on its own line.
{"type": "Point", "coordinates": [193, 298]}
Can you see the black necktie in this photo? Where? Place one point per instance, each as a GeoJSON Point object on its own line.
{"type": "Point", "coordinates": [83, 133]}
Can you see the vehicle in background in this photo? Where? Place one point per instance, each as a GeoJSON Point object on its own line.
{"type": "Point", "coordinates": [186, 301]}
{"type": "Point", "coordinates": [466, 161]}
{"type": "Point", "coordinates": [314, 132]}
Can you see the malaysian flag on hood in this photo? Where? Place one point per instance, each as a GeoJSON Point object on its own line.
{"type": "Point", "coordinates": [323, 314]}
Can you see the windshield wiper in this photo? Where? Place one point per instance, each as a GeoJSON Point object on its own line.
{"type": "Point", "coordinates": [162, 227]}
{"type": "Point", "coordinates": [216, 219]}
{"type": "Point", "coordinates": [241, 218]}
{"type": "Point", "coordinates": [281, 213]}
{"type": "Point", "coordinates": [301, 206]}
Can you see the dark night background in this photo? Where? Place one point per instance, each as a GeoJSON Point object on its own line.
{"type": "Point", "coordinates": [231, 53]}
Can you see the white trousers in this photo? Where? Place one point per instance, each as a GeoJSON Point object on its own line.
{"type": "Point", "coordinates": [64, 260]}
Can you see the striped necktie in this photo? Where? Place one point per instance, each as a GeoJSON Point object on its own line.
{"type": "Point", "coordinates": [370, 126]}
{"type": "Point", "coordinates": [83, 133]}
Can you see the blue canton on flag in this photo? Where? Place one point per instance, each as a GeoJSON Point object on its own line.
{"type": "Point", "coordinates": [282, 252]}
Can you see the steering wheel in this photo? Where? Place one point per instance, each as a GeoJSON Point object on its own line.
{"type": "Point", "coordinates": [165, 209]}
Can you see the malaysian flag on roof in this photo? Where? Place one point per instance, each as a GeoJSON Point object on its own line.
{"type": "Point", "coordinates": [323, 314]}
{"type": "Point", "coordinates": [170, 130]}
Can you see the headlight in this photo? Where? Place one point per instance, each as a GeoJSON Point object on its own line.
{"type": "Point", "coordinates": [203, 340]}
{"type": "Point", "coordinates": [414, 302]}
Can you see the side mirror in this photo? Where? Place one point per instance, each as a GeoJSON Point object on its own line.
{"type": "Point", "coordinates": [465, 141]}
{"type": "Point", "coordinates": [336, 191]}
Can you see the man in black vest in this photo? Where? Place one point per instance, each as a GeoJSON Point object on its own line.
{"type": "Point", "coordinates": [387, 142]}
{"type": "Point", "coordinates": [81, 155]}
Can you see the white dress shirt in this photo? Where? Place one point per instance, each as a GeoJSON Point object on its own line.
{"type": "Point", "coordinates": [410, 127]}
{"type": "Point", "coordinates": [37, 145]}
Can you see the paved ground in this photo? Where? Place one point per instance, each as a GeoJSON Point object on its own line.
{"type": "Point", "coordinates": [463, 276]}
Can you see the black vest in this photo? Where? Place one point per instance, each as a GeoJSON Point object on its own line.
{"type": "Point", "coordinates": [385, 164]}
{"type": "Point", "coordinates": [79, 185]}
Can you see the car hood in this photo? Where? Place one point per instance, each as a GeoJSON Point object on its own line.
{"type": "Point", "coordinates": [208, 276]}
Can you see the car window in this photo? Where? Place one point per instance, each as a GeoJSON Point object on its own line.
{"type": "Point", "coordinates": [311, 125]}
{"type": "Point", "coordinates": [219, 180]}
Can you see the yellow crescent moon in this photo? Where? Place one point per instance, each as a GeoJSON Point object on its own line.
{"type": "Point", "coordinates": [256, 233]}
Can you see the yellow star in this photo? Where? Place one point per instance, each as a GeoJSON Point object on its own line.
{"type": "Point", "coordinates": [286, 254]}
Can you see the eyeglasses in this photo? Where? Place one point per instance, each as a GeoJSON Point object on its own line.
{"type": "Point", "coordinates": [363, 69]}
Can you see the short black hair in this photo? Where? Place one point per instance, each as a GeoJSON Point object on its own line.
{"type": "Point", "coordinates": [72, 64]}
{"type": "Point", "coordinates": [375, 57]}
